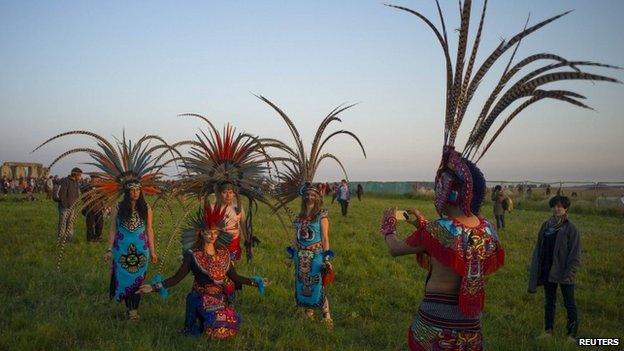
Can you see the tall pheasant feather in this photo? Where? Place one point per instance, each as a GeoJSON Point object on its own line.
{"type": "Point", "coordinates": [461, 83]}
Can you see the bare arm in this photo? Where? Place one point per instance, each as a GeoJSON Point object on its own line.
{"type": "Point", "coordinates": [242, 226]}
{"type": "Point", "coordinates": [113, 228]}
{"type": "Point", "coordinates": [397, 247]}
{"type": "Point", "coordinates": [325, 233]}
{"type": "Point", "coordinates": [111, 236]}
{"type": "Point", "coordinates": [150, 233]}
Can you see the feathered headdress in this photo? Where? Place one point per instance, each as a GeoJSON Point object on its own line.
{"type": "Point", "coordinates": [120, 165]}
{"type": "Point", "coordinates": [208, 217]}
{"type": "Point", "coordinates": [458, 180]}
{"type": "Point", "coordinates": [225, 159]}
{"type": "Point", "coordinates": [301, 167]}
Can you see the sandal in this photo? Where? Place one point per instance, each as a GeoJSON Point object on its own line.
{"type": "Point", "coordinates": [329, 323]}
{"type": "Point", "coordinates": [133, 315]}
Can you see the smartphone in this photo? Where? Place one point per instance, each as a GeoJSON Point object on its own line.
{"type": "Point", "coordinates": [401, 215]}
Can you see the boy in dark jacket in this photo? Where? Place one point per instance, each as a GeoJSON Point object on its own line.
{"type": "Point", "coordinates": [556, 258]}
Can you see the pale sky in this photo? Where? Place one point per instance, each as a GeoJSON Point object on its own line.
{"type": "Point", "coordinates": [108, 66]}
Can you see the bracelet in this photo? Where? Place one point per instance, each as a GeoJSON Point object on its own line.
{"type": "Point", "coordinates": [327, 255]}
{"type": "Point", "coordinates": [291, 252]}
{"type": "Point", "coordinates": [388, 226]}
{"type": "Point", "coordinates": [422, 223]}
{"type": "Point", "coordinates": [259, 283]}
{"type": "Point", "coordinates": [109, 250]}
{"type": "Point", "coordinates": [158, 286]}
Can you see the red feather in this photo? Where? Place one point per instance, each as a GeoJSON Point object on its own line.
{"type": "Point", "coordinates": [213, 216]}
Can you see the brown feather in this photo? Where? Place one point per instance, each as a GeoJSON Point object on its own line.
{"type": "Point", "coordinates": [560, 95]}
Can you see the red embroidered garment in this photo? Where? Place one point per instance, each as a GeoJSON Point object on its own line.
{"type": "Point", "coordinates": [472, 252]}
{"type": "Point", "coordinates": [215, 266]}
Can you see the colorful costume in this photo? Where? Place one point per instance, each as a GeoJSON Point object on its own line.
{"type": "Point", "coordinates": [233, 216]}
{"type": "Point", "coordinates": [452, 322]}
{"type": "Point", "coordinates": [311, 260]}
{"type": "Point", "coordinates": [215, 163]}
{"type": "Point", "coordinates": [473, 253]}
{"type": "Point", "coordinates": [131, 257]}
{"type": "Point", "coordinates": [209, 304]}
{"type": "Point", "coordinates": [227, 161]}
{"type": "Point", "coordinates": [440, 325]}
{"type": "Point", "coordinates": [120, 166]}
{"type": "Point", "coordinates": [209, 309]}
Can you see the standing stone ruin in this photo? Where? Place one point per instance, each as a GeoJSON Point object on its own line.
{"type": "Point", "coordinates": [16, 170]}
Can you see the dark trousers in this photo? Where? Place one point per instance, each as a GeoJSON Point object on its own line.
{"type": "Point", "coordinates": [500, 221]}
{"type": "Point", "coordinates": [132, 301]}
{"type": "Point", "coordinates": [344, 206]}
{"type": "Point", "coordinates": [550, 293]}
{"type": "Point", "coordinates": [192, 323]}
{"type": "Point", "coordinates": [95, 222]}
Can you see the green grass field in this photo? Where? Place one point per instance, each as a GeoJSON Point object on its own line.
{"type": "Point", "coordinates": [373, 299]}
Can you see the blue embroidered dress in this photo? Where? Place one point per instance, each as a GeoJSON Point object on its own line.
{"type": "Point", "coordinates": [130, 257]}
{"type": "Point", "coordinates": [308, 257]}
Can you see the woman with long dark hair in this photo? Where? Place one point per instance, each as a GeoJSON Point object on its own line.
{"type": "Point", "coordinates": [311, 253]}
{"type": "Point", "coordinates": [128, 171]}
{"type": "Point", "coordinates": [209, 309]}
{"type": "Point", "coordinates": [131, 247]}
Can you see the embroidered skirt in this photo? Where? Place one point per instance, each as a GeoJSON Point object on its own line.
{"type": "Point", "coordinates": [129, 262]}
{"type": "Point", "coordinates": [208, 312]}
{"type": "Point", "coordinates": [440, 325]}
{"type": "Point", "coordinates": [309, 290]}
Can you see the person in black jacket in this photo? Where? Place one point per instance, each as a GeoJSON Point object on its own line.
{"type": "Point", "coordinates": [556, 259]}
{"type": "Point", "coordinates": [66, 195]}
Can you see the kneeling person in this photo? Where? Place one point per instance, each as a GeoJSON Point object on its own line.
{"type": "Point", "coordinates": [210, 308]}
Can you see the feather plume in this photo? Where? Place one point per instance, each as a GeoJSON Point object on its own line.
{"type": "Point", "coordinates": [298, 166]}
{"type": "Point", "coordinates": [462, 85]}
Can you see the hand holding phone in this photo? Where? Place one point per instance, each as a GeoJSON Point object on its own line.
{"type": "Point", "coordinates": [402, 215]}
